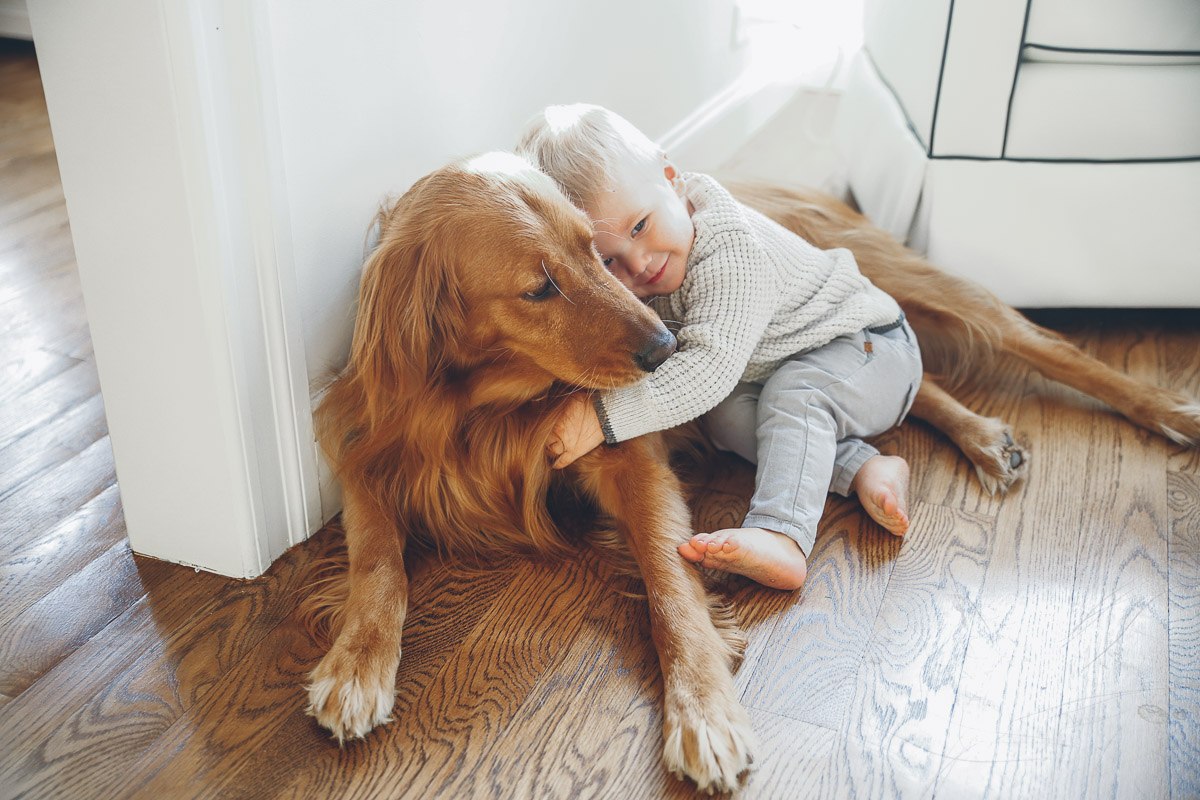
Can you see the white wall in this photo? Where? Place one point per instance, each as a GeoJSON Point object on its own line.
{"type": "Point", "coordinates": [221, 160]}
{"type": "Point", "coordinates": [164, 196]}
{"type": "Point", "coordinates": [375, 94]}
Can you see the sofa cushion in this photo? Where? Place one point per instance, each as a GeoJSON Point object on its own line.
{"type": "Point", "coordinates": [1141, 25]}
{"type": "Point", "coordinates": [1105, 111]}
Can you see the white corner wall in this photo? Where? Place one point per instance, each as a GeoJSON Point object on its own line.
{"type": "Point", "coordinates": [374, 94]}
{"type": "Point", "coordinates": [167, 155]}
{"type": "Point", "coordinates": [221, 161]}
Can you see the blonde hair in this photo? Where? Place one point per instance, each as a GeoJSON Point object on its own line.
{"type": "Point", "coordinates": [579, 145]}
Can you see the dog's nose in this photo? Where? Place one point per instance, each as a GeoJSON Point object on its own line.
{"type": "Point", "coordinates": [657, 350]}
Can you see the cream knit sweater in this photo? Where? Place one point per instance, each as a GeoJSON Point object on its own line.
{"type": "Point", "coordinates": [754, 294]}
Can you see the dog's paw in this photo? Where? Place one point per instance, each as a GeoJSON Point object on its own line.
{"type": "Point", "coordinates": [1182, 424]}
{"type": "Point", "coordinates": [351, 696]}
{"type": "Point", "coordinates": [999, 460]}
{"type": "Point", "coordinates": [707, 739]}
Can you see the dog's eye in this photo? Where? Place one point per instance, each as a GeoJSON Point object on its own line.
{"type": "Point", "coordinates": [545, 291]}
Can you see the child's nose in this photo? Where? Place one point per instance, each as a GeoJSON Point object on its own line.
{"type": "Point", "coordinates": [642, 260]}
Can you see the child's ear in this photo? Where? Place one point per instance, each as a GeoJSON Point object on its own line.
{"type": "Point", "coordinates": [672, 175]}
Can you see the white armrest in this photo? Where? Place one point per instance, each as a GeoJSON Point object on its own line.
{"type": "Point", "coordinates": [956, 88]}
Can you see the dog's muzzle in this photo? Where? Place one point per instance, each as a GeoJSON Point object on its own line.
{"type": "Point", "coordinates": [657, 350]}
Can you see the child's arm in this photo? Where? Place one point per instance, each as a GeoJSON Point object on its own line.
{"type": "Point", "coordinates": [729, 305]}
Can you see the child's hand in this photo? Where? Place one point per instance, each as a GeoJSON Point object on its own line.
{"type": "Point", "coordinates": [577, 431]}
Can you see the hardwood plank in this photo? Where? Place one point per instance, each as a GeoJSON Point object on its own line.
{"type": "Point", "coordinates": [795, 752]}
{"type": "Point", "coordinates": [447, 727]}
{"type": "Point", "coordinates": [1119, 647]}
{"type": "Point", "coordinates": [264, 695]}
{"type": "Point", "coordinates": [74, 732]}
{"type": "Point", "coordinates": [1180, 359]}
{"type": "Point", "coordinates": [819, 641]}
{"type": "Point", "coordinates": [628, 761]}
{"type": "Point", "coordinates": [906, 684]}
{"type": "Point", "coordinates": [24, 372]}
{"type": "Point", "coordinates": [70, 546]}
{"type": "Point", "coordinates": [50, 253]}
{"type": "Point", "coordinates": [52, 444]}
{"type": "Point", "coordinates": [64, 332]}
{"type": "Point", "coordinates": [1116, 648]}
{"type": "Point", "coordinates": [56, 625]}
{"type": "Point", "coordinates": [551, 745]}
{"type": "Point", "coordinates": [22, 139]}
{"type": "Point", "coordinates": [1184, 646]}
{"type": "Point", "coordinates": [45, 193]}
{"type": "Point", "coordinates": [52, 397]}
{"type": "Point", "coordinates": [948, 478]}
{"type": "Point", "coordinates": [1023, 719]}
{"type": "Point", "coordinates": [42, 502]}
{"type": "Point", "coordinates": [185, 649]}
{"type": "Point", "coordinates": [446, 606]}
{"type": "Point", "coordinates": [33, 227]}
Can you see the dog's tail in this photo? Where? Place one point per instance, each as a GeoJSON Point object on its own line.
{"type": "Point", "coordinates": [959, 325]}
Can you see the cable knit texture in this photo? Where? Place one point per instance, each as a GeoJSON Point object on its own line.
{"type": "Point", "coordinates": [754, 294]}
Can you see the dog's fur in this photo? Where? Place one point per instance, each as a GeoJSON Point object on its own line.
{"type": "Point", "coordinates": [483, 304]}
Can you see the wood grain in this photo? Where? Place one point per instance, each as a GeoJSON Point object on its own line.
{"type": "Point", "coordinates": [27, 515]}
{"type": "Point", "coordinates": [52, 397]}
{"type": "Point", "coordinates": [74, 731]}
{"type": "Point", "coordinates": [96, 527]}
{"type": "Point", "coordinates": [449, 727]}
{"type": "Point", "coordinates": [556, 737]}
{"type": "Point", "coordinates": [819, 641]}
{"type": "Point", "coordinates": [55, 626]}
{"type": "Point", "coordinates": [446, 606]}
{"type": "Point", "coordinates": [1022, 720]}
{"type": "Point", "coordinates": [904, 689]}
{"type": "Point", "coordinates": [52, 444]}
{"type": "Point", "coordinates": [1183, 703]}
{"type": "Point", "coordinates": [190, 654]}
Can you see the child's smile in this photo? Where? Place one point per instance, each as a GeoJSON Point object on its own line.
{"type": "Point", "coordinates": [643, 229]}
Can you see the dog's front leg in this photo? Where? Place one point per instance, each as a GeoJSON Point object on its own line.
{"type": "Point", "coordinates": [353, 689]}
{"type": "Point", "coordinates": [707, 734]}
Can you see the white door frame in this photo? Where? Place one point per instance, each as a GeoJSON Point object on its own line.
{"type": "Point", "coordinates": [169, 150]}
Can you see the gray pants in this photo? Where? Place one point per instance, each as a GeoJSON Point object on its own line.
{"type": "Point", "coordinates": [804, 425]}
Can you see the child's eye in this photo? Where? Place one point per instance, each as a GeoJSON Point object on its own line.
{"type": "Point", "coordinates": [638, 228]}
{"type": "Point", "coordinates": [607, 262]}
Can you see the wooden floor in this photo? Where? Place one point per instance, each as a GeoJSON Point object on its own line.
{"type": "Point", "coordinates": [1046, 644]}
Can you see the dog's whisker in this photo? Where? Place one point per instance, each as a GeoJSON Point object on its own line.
{"type": "Point", "coordinates": [555, 285]}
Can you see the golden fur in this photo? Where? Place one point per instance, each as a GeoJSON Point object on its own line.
{"type": "Point", "coordinates": [481, 307]}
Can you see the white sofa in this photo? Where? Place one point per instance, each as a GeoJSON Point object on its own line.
{"type": "Point", "coordinates": [1049, 149]}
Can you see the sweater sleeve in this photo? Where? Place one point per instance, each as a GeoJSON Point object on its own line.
{"type": "Point", "coordinates": [729, 300]}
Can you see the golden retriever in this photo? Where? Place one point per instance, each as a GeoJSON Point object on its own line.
{"type": "Point", "coordinates": [483, 304]}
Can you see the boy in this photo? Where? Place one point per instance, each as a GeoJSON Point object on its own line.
{"type": "Point", "coordinates": [794, 355]}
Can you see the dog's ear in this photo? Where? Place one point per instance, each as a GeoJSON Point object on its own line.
{"type": "Point", "coordinates": [410, 308]}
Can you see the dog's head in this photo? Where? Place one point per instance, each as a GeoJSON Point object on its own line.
{"type": "Point", "coordinates": [485, 266]}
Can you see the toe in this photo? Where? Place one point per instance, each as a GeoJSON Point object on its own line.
{"type": "Point", "coordinates": [689, 551]}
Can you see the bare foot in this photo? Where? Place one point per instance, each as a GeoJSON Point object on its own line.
{"type": "Point", "coordinates": [765, 556]}
{"type": "Point", "coordinates": [882, 488]}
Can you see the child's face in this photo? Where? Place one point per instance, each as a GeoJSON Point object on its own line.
{"type": "Point", "coordinates": [643, 229]}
